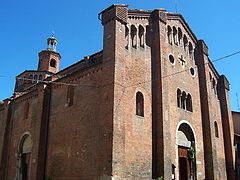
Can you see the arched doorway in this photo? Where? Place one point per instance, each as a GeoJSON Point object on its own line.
{"type": "Point", "coordinates": [186, 153]}
{"type": "Point", "coordinates": [24, 156]}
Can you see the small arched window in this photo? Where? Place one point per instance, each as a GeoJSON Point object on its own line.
{"type": "Point", "coordinates": [35, 78]}
{"type": "Point", "coordinates": [139, 104]}
{"type": "Point", "coordinates": [127, 37]}
{"type": "Point", "coordinates": [179, 36]}
{"type": "Point", "coordinates": [31, 76]}
{"type": "Point", "coordinates": [169, 34]}
{"type": "Point", "coordinates": [210, 77]}
{"type": "Point", "coordinates": [53, 63]}
{"type": "Point", "coordinates": [189, 103]}
{"type": "Point", "coordinates": [24, 79]}
{"type": "Point", "coordinates": [147, 35]}
{"type": "Point", "coordinates": [40, 77]}
{"type": "Point", "coordinates": [19, 82]}
{"type": "Point", "coordinates": [134, 36]}
{"type": "Point", "coordinates": [70, 95]}
{"type": "Point", "coordinates": [216, 129]}
{"type": "Point", "coordinates": [183, 100]}
{"type": "Point", "coordinates": [175, 39]}
{"type": "Point", "coordinates": [214, 86]}
{"type": "Point", "coordinates": [190, 50]}
{"type": "Point", "coordinates": [141, 36]}
{"type": "Point", "coordinates": [185, 42]}
{"type": "Point", "coordinates": [179, 98]}
{"type": "Point", "coordinates": [26, 110]}
{"type": "Point", "coordinates": [213, 82]}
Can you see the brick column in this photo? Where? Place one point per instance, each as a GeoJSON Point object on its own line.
{"type": "Point", "coordinates": [6, 129]}
{"type": "Point", "coordinates": [227, 125]}
{"type": "Point", "coordinates": [159, 145]}
{"type": "Point", "coordinates": [201, 56]}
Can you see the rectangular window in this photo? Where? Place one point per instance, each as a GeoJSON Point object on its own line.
{"type": "Point", "coordinates": [139, 104]}
{"type": "Point", "coordinates": [70, 95]}
{"type": "Point", "coordinates": [26, 110]}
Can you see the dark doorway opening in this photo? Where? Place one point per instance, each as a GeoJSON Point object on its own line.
{"type": "Point", "coordinates": [25, 161]}
{"type": "Point", "coordinates": [184, 164]}
{"type": "Point", "coordinates": [24, 158]}
{"type": "Point", "coordinates": [186, 153]}
{"type": "Point", "coordinates": [183, 174]}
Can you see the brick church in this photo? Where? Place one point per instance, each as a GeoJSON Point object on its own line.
{"type": "Point", "coordinates": [149, 105]}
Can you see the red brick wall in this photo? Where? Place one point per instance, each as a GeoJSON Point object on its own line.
{"type": "Point", "coordinates": [173, 116]}
{"type": "Point", "coordinates": [45, 59]}
{"type": "Point", "coordinates": [19, 126]}
{"type": "Point", "coordinates": [100, 135]}
{"type": "Point", "coordinates": [80, 137]}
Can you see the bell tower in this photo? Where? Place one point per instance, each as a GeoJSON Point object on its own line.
{"type": "Point", "coordinates": [49, 59]}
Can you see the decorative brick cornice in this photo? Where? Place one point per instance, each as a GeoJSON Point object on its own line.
{"type": "Point", "coordinates": [159, 14]}
{"type": "Point", "coordinates": [139, 14]}
{"type": "Point", "coordinates": [203, 47]}
{"type": "Point", "coordinates": [175, 16]}
{"type": "Point", "coordinates": [223, 82]}
{"type": "Point", "coordinates": [50, 52]}
{"type": "Point", "coordinates": [115, 12]}
{"type": "Point", "coordinates": [24, 97]}
{"type": "Point", "coordinates": [77, 77]}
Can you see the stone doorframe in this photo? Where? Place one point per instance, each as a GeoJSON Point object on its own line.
{"type": "Point", "coordinates": [177, 144]}
{"type": "Point", "coordinates": [24, 147]}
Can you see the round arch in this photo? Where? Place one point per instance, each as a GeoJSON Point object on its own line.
{"type": "Point", "coordinates": [190, 126]}
{"type": "Point", "coordinates": [185, 135]}
{"type": "Point", "coordinates": [25, 139]}
{"type": "Point", "coordinates": [185, 151]}
{"type": "Point", "coordinates": [24, 157]}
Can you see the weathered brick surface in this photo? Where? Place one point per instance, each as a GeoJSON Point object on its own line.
{"type": "Point", "coordinates": [98, 135]}
{"type": "Point", "coordinates": [18, 126]}
{"type": "Point", "coordinates": [172, 115]}
{"type": "Point", "coordinates": [227, 125]}
{"type": "Point", "coordinates": [236, 123]}
{"type": "Point", "coordinates": [80, 138]}
{"type": "Point", "coordinates": [45, 58]}
{"type": "Point", "coordinates": [214, 156]}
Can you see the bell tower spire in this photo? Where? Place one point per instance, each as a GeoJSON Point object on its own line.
{"type": "Point", "coordinates": [49, 59]}
{"type": "Point", "coordinates": [52, 43]}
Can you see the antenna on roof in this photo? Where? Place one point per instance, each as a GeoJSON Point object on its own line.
{"type": "Point", "coordinates": [237, 102]}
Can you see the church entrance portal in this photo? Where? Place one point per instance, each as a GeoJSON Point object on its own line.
{"type": "Point", "coordinates": [25, 164]}
{"type": "Point", "coordinates": [186, 153]}
{"type": "Point", "coordinates": [184, 164]}
{"type": "Point", "coordinates": [24, 158]}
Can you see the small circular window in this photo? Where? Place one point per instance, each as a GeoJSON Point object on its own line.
{"type": "Point", "coordinates": [171, 59]}
{"type": "Point", "coordinates": [192, 71]}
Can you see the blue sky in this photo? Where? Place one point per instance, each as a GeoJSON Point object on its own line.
{"type": "Point", "coordinates": [25, 26]}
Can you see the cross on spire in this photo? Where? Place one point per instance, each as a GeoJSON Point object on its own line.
{"type": "Point", "coordinates": [182, 61]}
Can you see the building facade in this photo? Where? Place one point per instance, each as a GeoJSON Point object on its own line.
{"type": "Point", "coordinates": [149, 105]}
{"type": "Point", "coordinates": [236, 123]}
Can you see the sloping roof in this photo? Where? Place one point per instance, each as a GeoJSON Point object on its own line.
{"type": "Point", "coordinates": [84, 63]}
